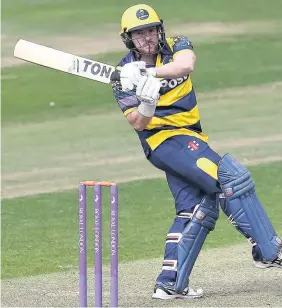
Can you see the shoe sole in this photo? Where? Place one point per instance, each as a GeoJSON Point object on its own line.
{"type": "Point", "coordinates": [163, 296]}
{"type": "Point", "coordinates": [265, 265]}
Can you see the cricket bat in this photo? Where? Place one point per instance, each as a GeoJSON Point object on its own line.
{"type": "Point", "coordinates": [65, 62]}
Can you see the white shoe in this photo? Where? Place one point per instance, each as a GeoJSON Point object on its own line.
{"type": "Point", "coordinates": [165, 293]}
{"type": "Point", "coordinates": [277, 262]}
{"type": "Point", "coordinates": [267, 264]}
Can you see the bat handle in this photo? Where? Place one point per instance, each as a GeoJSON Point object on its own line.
{"type": "Point", "coordinates": [116, 74]}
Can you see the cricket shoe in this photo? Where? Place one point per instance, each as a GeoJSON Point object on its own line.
{"type": "Point", "coordinates": [166, 292]}
{"type": "Point", "coordinates": [277, 262]}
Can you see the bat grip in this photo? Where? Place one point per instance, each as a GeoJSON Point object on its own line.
{"type": "Point", "coordinates": [116, 74]}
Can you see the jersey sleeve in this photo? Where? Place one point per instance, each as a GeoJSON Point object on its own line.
{"type": "Point", "coordinates": [181, 43]}
{"type": "Point", "coordinates": [126, 100]}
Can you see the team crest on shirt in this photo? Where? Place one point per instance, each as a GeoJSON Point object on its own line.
{"type": "Point", "coordinates": [178, 38]}
{"type": "Point", "coordinates": [193, 145]}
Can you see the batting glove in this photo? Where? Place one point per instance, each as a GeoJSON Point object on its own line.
{"type": "Point", "coordinates": [147, 92]}
{"type": "Point", "coordinates": [130, 74]}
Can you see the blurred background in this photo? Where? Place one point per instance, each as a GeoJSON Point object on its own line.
{"type": "Point", "coordinates": [58, 129]}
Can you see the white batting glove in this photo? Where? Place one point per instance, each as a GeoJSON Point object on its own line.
{"type": "Point", "coordinates": [130, 74]}
{"type": "Point", "coordinates": [151, 72]}
{"type": "Point", "coordinates": [147, 92]}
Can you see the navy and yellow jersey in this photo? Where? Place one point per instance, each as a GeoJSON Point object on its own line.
{"type": "Point", "coordinates": [177, 110]}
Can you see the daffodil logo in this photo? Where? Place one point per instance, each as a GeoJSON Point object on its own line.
{"type": "Point", "coordinates": [142, 14]}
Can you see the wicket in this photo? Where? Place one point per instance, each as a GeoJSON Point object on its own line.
{"type": "Point", "coordinates": [97, 201]}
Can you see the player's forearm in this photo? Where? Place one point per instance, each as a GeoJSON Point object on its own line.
{"type": "Point", "coordinates": [175, 69]}
{"type": "Point", "coordinates": [137, 120]}
{"type": "Point", "coordinates": [182, 65]}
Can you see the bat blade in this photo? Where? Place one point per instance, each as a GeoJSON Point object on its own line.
{"type": "Point", "coordinates": [62, 61]}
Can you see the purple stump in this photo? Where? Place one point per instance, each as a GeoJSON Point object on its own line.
{"type": "Point", "coordinates": [98, 244]}
{"type": "Point", "coordinates": [114, 245]}
{"type": "Point", "coordinates": [82, 246]}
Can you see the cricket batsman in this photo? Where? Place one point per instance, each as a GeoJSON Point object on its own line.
{"type": "Point", "coordinates": [156, 95]}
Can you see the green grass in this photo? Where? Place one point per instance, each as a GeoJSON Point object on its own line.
{"type": "Point", "coordinates": [39, 233]}
{"type": "Point", "coordinates": [249, 60]}
{"type": "Point", "coordinates": [70, 16]}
